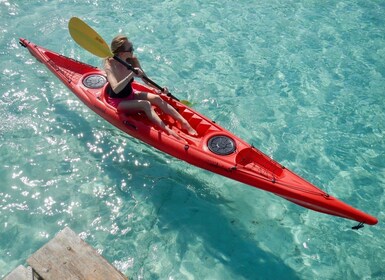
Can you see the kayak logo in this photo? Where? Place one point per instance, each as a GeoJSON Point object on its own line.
{"type": "Point", "coordinates": [221, 145]}
{"type": "Point", "coordinates": [94, 81]}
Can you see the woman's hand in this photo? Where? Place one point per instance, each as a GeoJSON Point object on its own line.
{"type": "Point", "coordinates": [138, 72]}
{"type": "Point", "coordinates": [164, 91]}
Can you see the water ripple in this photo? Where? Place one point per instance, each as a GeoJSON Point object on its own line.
{"type": "Point", "coordinates": [302, 81]}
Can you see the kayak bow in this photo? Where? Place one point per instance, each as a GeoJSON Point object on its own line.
{"type": "Point", "coordinates": [214, 149]}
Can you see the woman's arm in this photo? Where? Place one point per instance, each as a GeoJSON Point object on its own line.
{"type": "Point", "coordinates": [115, 84]}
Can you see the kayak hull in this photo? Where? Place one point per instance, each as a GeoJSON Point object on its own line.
{"type": "Point", "coordinates": [214, 149]}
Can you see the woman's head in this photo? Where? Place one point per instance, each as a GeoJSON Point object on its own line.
{"type": "Point", "coordinates": [121, 44]}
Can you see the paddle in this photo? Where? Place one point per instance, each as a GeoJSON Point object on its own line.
{"type": "Point", "coordinates": [91, 41]}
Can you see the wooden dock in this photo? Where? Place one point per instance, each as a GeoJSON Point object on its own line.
{"type": "Point", "coordinates": [66, 256]}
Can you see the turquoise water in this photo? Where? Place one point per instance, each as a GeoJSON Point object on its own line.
{"type": "Point", "coordinates": [302, 80]}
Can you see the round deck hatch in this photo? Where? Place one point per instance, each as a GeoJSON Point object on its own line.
{"type": "Point", "coordinates": [94, 81]}
{"type": "Point", "coordinates": [221, 145]}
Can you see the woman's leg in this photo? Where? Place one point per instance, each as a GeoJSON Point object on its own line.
{"type": "Point", "coordinates": [166, 108]}
{"type": "Point", "coordinates": [145, 106]}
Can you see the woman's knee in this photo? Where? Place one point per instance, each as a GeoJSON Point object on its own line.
{"type": "Point", "coordinates": [156, 100]}
{"type": "Point", "coordinates": [146, 105]}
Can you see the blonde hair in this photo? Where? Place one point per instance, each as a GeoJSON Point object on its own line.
{"type": "Point", "coordinates": [118, 42]}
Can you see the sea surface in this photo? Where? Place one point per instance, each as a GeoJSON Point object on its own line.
{"type": "Point", "coordinates": [304, 81]}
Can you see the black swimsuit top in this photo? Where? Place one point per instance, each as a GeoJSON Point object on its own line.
{"type": "Point", "coordinates": [127, 91]}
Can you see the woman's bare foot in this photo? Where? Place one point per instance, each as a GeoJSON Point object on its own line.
{"type": "Point", "coordinates": [191, 131]}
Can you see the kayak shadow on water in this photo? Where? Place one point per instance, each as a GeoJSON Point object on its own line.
{"type": "Point", "coordinates": [187, 208]}
{"type": "Point", "coordinates": [198, 217]}
{"type": "Point", "coordinates": [192, 220]}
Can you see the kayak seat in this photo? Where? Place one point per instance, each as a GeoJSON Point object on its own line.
{"type": "Point", "coordinates": [103, 97]}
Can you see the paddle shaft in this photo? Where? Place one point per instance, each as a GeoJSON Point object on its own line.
{"type": "Point", "coordinates": [129, 67]}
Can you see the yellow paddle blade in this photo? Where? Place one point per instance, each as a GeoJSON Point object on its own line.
{"type": "Point", "coordinates": [88, 38]}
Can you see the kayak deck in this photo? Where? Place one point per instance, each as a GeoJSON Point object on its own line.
{"type": "Point", "coordinates": [214, 148]}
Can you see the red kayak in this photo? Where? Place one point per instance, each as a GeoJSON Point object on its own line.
{"type": "Point", "coordinates": [214, 149]}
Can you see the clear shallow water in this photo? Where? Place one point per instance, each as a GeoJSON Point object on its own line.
{"type": "Point", "coordinates": [303, 81]}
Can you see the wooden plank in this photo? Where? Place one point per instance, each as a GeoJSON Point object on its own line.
{"type": "Point", "coordinates": [67, 256]}
{"type": "Point", "coordinates": [20, 273]}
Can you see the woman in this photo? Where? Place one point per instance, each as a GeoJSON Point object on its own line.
{"type": "Point", "coordinates": [122, 96]}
